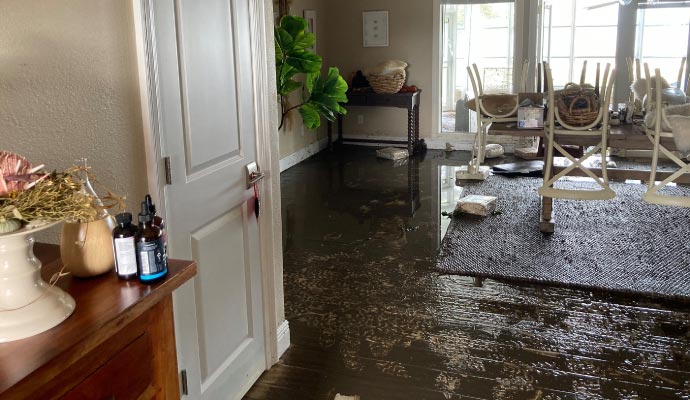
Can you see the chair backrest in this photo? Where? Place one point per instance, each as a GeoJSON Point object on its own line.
{"type": "Point", "coordinates": [683, 81]}
{"type": "Point", "coordinates": [679, 82]}
{"type": "Point", "coordinates": [605, 95]}
{"type": "Point", "coordinates": [654, 103]}
{"type": "Point", "coordinates": [478, 87]}
{"type": "Point", "coordinates": [583, 74]}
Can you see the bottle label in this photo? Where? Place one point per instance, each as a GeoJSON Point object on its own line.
{"type": "Point", "coordinates": [125, 256]}
{"type": "Point", "coordinates": [151, 257]}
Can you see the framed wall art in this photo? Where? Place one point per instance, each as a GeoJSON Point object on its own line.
{"type": "Point", "coordinates": [375, 28]}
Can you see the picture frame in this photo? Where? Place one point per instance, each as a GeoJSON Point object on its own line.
{"type": "Point", "coordinates": [375, 29]}
{"type": "Point", "coordinates": [310, 17]}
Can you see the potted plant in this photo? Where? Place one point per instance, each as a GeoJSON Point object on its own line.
{"type": "Point", "coordinates": [321, 96]}
{"type": "Point", "coordinates": [32, 200]}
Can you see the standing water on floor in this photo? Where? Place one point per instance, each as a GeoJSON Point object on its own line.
{"type": "Point", "coordinates": [369, 314]}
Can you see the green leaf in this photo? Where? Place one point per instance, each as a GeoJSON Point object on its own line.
{"type": "Point", "coordinates": [310, 116]}
{"type": "Point", "coordinates": [325, 95]}
{"type": "Point", "coordinates": [311, 78]}
{"type": "Point", "coordinates": [278, 49]}
{"type": "Point", "coordinates": [286, 73]}
{"type": "Point", "coordinates": [321, 96]}
{"type": "Point", "coordinates": [293, 25]}
{"type": "Point", "coordinates": [336, 85]}
{"type": "Point", "coordinates": [284, 41]}
{"type": "Point", "coordinates": [289, 86]}
{"type": "Point", "coordinates": [304, 61]}
{"type": "Point", "coordinates": [303, 41]}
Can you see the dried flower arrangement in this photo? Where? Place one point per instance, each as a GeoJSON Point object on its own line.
{"type": "Point", "coordinates": [30, 195]}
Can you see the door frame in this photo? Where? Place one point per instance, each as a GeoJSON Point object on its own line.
{"type": "Point", "coordinates": [276, 328]}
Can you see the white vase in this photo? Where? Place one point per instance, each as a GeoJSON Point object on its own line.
{"type": "Point", "coordinates": [28, 305]}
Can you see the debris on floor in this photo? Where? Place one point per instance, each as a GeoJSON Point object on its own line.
{"type": "Point", "coordinates": [392, 153]}
{"type": "Point", "coordinates": [341, 397]}
{"type": "Point", "coordinates": [493, 150]}
{"type": "Point", "coordinates": [527, 153]}
{"type": "Point", "coordinates": [596, 163]}
{"type": "Point", "coordinates": [477, 205]}
{"type": "Point", "coordinates": [474, 171]}
{"type": "Point", "coordinates": [523, 168]}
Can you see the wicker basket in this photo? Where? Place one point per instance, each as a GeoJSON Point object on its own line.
{"type": "Point", "coordinates": [387, 84]}
{"type": "Point", "coordinates": [577, 106]}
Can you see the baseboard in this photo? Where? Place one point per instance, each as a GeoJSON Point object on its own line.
{"type": "Point", "coordinates": [459, 141]}
{"type": "Point", "coordinates": [283, 337]}
{"type": "Point", "coordinates": [301, 155]}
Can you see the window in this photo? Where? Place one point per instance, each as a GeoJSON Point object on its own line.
{"type": "Point", "coordinates": [662, 38]}
{"type": "Point", "coordinates": [481, 34]}
{"type": "Point", "coordinates": [498, 34]}
{"type": "Point", "coordinates": [574, 31]}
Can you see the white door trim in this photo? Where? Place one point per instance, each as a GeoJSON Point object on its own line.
{"type": "Point", "coordinates": [267, 151]}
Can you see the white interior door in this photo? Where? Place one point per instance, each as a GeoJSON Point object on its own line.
{"type": "Point", "coordinates": [207, 130]}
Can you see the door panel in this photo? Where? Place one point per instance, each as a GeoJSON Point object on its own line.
{"type": "Point", "coordinates": [222, 299]}
{"type": "Point", "coordinates": [206, 49]}
{"type": "Point", "coordinates": [208, 131]}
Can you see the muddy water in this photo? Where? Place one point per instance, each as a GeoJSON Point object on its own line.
{"type": "Point", "coordinates": [370, 316]}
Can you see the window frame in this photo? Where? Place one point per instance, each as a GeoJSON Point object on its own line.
{"type": "Point", "coordinates": [528, 38]}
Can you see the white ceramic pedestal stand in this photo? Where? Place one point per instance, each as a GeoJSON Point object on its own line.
{"type": "Point", "coordinates": [28, 305]}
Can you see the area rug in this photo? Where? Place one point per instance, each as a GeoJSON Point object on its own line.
{"type": "Point", "coordinates": [622, 244]}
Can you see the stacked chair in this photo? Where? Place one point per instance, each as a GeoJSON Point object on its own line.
{"type": "Point", "coordinates": [557, 125]}
{"type": "Point", "coordinates": [655, 133]}
{"type": "Point", "coordinates": [485, 117]}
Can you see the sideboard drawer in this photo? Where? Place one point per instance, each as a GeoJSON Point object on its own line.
{"type": "Point", "coordinates": [125, 376]}
{"type": "Point", "coordinates": [389, 101]}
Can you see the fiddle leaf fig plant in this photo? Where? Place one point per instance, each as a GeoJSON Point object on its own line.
{"type": "Point", "coordinates": [320, 96]}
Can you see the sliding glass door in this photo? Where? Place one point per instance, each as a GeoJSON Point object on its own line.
{"type": "Point", "coordinates": [662, 38]}
{"type": "Point", "coordinates": [481, 33]}
{"type": "Point", "coordinates": [496, 35]}
{"type": "Point", "coordinates": [575, 31]}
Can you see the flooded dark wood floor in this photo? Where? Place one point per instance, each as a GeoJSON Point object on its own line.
{"type": "Point", "coordinates": [370, 316]}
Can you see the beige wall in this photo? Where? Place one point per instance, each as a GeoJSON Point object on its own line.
{"type": "Point", "coordinates": [410, 39]}
{"type": "Point", "coordinates": [295, 136]}
{"type": "Point", "coordinates": [68, 88]}
{"type": "Point", "coordinates": [339, 37]}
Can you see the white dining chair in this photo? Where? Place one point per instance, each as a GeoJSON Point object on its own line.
{"type": "Point", "coordinates": [555, 127]}
{"type": "Point", "coordinates": [655, 134]}
{"type": "Point", "coordinates": [485, 117]}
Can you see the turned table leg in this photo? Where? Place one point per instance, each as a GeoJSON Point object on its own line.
{"type": "Point", "coordinates": [546, 220]}
{"type": "Point", "coordinates": [410, 130]}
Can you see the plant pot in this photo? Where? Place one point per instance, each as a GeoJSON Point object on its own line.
{"type": "Point", "coordinates": [28, 305]}
{"type": "Point", "coordinates": [86, 248]}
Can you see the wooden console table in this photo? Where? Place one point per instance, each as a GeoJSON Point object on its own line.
{"type": "Point", "coordinates": [118, 344]}
{"type": "Point", "coordinates": [409, 101]}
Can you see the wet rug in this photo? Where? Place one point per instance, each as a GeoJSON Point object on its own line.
{"type": "Point", "coordinates": [622, 244]}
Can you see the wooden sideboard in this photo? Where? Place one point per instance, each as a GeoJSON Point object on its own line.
{"type": "Point", "coordinates": [118, 344]}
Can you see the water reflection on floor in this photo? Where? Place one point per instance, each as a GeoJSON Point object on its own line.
{"type": "Point", "coordinates": [370, 316]}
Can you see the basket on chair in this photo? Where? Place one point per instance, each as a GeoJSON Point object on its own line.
{"type": "Point", "coordinates": [387, 84]}
{"type": "Point", "coordinates": [577, 106]}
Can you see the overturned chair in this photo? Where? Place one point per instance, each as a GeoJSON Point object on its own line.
{"type": "Point", "coordinates": [557, 127]}
{"type": "Point", "coordinates": [486, 115]}
{"type": "Point", "coordinates": [665, 126]}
